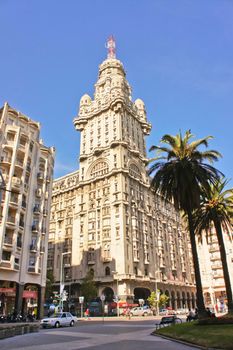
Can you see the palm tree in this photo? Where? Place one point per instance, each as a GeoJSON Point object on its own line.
{"type": "Point", "coordinates": [181, 172]}
{"type": "Point", "coordinates": [217, 208]}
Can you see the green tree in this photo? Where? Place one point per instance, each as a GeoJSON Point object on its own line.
{"type": "Point", "coordinates": [88, 287]}
{"type": "Point", "coordinates": [49, 284]}
{"type": "Point", "coordinates": [163, 300]}
{"type": "Point", "coordinates": [181, 173]}
{"type": "Point", "coordinates": [217, 209]}
{"type": "Point", "coordinates": [152, 300]}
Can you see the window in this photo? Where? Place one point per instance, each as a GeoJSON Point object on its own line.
{"type": "Point", "coordinates": [6, 255]}
{"type": "Point", "coordinates": [32, 260]}
{"type": "Point", "coordinates": [99, 169]}
{"type": "Point", "coordinates": [107, 271]}
{"type": "Point", "coordinates": [134, 171]}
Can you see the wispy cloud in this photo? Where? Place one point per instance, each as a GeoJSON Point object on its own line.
{"type": "Point", "coordinates": [61, 168]}
{"type": "Point", "coordinates": [214, 79]}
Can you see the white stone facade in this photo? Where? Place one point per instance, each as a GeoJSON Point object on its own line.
{"type": "Point", "coordinates": [106, 215]}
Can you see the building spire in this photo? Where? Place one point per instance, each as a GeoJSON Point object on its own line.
{"type": "Point", "coordinates": [111, 46]}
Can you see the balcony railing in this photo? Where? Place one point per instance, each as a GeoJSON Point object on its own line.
{"type": "Point", "coordinates": [36, 209]}
{"type": "Point", "coordinates": [33, 247]}
{"type": "Point", "coordinates": [16, 181]}
{"type": "Point", "coordinates": [11, 219]}
{"type": "Point", "coordinates": [35, 227]}
{"type": "Point", "coordinates": [19, 162]}
{"type": "Point", "coordinates": [14, 199]}
{"type": "Point", "coordinates": [40, 176]}
{"type": "Point", "coordinates": [8, 240]}
{"type": "Point", "coordinates": [6, 159]}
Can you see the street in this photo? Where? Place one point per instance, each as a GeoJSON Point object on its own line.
{"type": "Point", "coordinates": [96, 335]}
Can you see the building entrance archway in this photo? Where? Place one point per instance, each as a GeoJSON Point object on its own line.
{"type": "Point", "coordinates": [109, 293]}
{"type": "Point", "coordinates": [141, 293]}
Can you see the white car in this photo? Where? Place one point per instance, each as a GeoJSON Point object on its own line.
{"type": "Point", "coordinates": [58, 320]}
{"type": "Point", "coordinates": [140, 311]}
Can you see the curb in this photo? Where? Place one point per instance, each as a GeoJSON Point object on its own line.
{"type": "Point", "coordinates": [184, 342]}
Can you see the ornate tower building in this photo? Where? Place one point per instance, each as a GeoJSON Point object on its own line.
{"type": "Point", "coordinates": [129, 237]}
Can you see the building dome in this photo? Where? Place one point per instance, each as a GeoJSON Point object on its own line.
{"type": "Point", "coordinates": [85, 100]}
{"type": "Point", "coordinates": [139, 103]}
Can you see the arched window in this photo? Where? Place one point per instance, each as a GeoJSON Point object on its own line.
{"type": "Point", "coordinates": [92, 272]}
{"type": "Point", "coordinates": [100, 169]}
{"type": "Point", "coordinates": [134, 171]}
{"type": "Point", "coordinates": [107, 271]}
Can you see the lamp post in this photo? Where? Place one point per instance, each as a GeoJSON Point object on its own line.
{"type": "Point", "coordinates": [117, 296]}
{"type": "Point", "coordinates": [102, 298]}
{"type": "Point", "coordinates": [157, 294]}
{"type": "Point", "coordinates": [61, 281]}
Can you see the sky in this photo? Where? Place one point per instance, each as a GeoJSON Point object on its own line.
{"type": "Point", "coordinates": [178, 56]}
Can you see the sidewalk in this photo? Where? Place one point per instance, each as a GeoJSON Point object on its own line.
{"type": "Point", "coordinates": [120, 318]}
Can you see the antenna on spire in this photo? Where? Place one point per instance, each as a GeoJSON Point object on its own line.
{"type": "Point", "coordinates": [111, 46]}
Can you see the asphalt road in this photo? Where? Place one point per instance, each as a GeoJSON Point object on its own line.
{"type": "Point", "coordinates": [110, 335]}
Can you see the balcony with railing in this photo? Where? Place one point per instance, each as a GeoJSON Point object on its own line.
{"type": "Point", "coordinates": [11, 219]}
{"type": "Point", "coordinates": [36, 209]}
{"type": "Point", "coordinates": [38, 192]}
{"type": "Point", "coordinates": [40, 176]}
{"type": "Point", "coordinates": [35, 227]}
{"type": "Point", "coordinates": [6, 159]}
{"type": "Point", "coordinates": [33, 247]}
{"type": "Point", "coordinates": [8, 240]}
{"type": "Point", "coordinates": [42, 248]}
{"type": "Point", "coordinates": [43, 230]}
{"type": "Point", "coordinates": [19, 163]}
{"type": "Point", "coordinates": [16, 182]}
{"type": "Point", "coordinates": [14, 200]}
{"type": "Point", "coordinates": [213, 248]}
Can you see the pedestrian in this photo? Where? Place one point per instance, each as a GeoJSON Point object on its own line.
{"type": "Point", "coordinates": [128, 314]}
{"type": "Point", "coordinates": [87, 314]}
{"type": "Point", "coordinates": [190, 316]}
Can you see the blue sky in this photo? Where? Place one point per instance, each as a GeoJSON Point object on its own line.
{"type": "Point", "coordinates": [178, 56]}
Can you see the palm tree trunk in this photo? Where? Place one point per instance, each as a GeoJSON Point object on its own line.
{"type": "Point", "coordinates": [226, 275]}
{"type": "Point", "coordinates": [200, 299]}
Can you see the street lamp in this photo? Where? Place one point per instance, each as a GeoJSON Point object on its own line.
{"type": "Point", "coordinates": [157, 294]}
{"type": "Point", "coordinates": [62, 285]}
{"type": "Point", "coordinates": [117, 296]}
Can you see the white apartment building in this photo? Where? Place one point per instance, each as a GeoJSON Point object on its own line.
{"type": "Point", "coordinates": [211, 269]}
{"type": "Point", "coordinates": [27, 169]}
{"type": "Point", "coordinates": [105, 217]}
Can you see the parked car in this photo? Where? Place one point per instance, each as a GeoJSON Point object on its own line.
{"type": "Point", "coordinates": [58, 320]}
{"type": "Point", "coordinates": [140, 311]}
{"type": "Point", "coordinates": [163, 312]}
{"type": "Point", "coordinates": [167, 312]}
{"type": "Point", "coordinates": [182, 311]}
{"type": "Point", "coordinates": [171, 311]}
